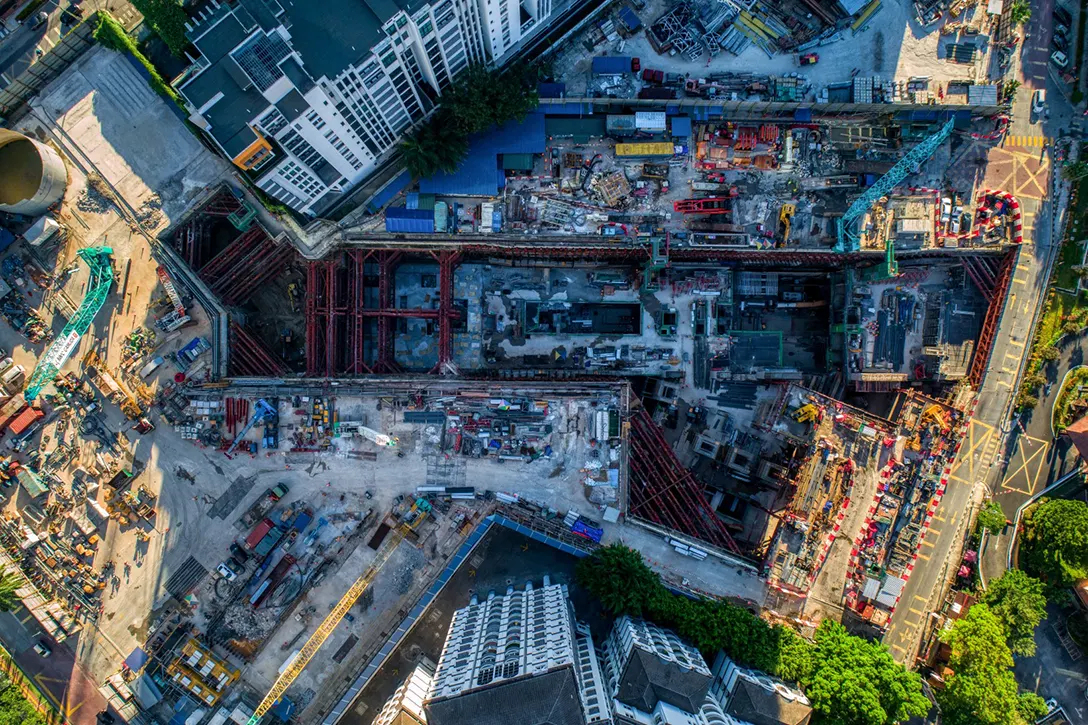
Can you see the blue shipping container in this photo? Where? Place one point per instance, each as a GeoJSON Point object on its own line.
{"type": "Point", "coordinates": [412, 221]}
{"type": "Point", "coordinates": [302, 521]}
{"type": "Point", "coordinates": [605, 65]}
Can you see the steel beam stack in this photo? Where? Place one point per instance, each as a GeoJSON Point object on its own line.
{"type": "Point", "coordinates": [662, 491]}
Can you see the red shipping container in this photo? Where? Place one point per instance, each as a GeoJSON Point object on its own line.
{"type": "Point", "coordinates": [25, 420]}
{"type": "Point", "coordinates": [258, 533]}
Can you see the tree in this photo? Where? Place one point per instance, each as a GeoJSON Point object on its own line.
{"type": "Point", "coordinates": [1017, 600]}
{"type": "Point", "coordinates": [1075, 171]}
{"type": "Point", "coordinates": [1054, 546]}
{"type": "Point", "coordinates": [167, 18]}
{"type": "Point", "coordinates": [1034, 380]}
{"type": "Point", "coordinates": [856, 681]}
{"type": "Point", "coordinates": [435, 147]}
{"type": "Point", "coordinates": [1020, 12]}
{"type": "Point", "coordinates": [1070, 328]}
{"type": "Point", "coordinates": [620, 578]}
{"type": "Point", "coordinates": [1049, 353]}
{"type": "Point", "coordinates": [1027, 400]}
{"type": "Point", "coordinates": [991, 517]}
{"type": "Point", "coordinates": [1009, 88]}
{"type": "Point", "coordinates": [1081, 270]}
{"type": "Point", "coordinates": [982, 689]}
{"type": "Point", "coordinates": [9, 600]}
{"type": "Point", "coordinates": [1030, 706]}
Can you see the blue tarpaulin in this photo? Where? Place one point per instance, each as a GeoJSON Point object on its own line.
{"type": "Point", "coordinates": [681, 126]}
{"type": "Point", "coordinates": [283, 709]}
{"type": "Point", "coordinates": [409, 221]}
{"type": "Point", "coordinates": [387, 194]}
{"type": "Point", "coordinates": [6, 238]}
{"type": "Point", "coordinates": [480, 174]}
{"type": "Point", "coordinates": [804, 115]}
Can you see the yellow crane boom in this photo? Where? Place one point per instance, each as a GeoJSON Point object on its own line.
{"type": "Point", "coordinates": [298, 664]}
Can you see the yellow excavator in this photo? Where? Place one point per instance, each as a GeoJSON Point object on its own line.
{"type": "Point", "coordinates": [808, 413]}
{"type": "Point", "coordinates": [785, 216]}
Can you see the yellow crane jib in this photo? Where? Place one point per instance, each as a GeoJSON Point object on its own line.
{"type": "Point", "coordinates": [298, 664]}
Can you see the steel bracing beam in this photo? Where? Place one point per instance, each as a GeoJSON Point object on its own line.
{"type": "Point", "coordinates": [358, 259]}
{"type": "Point", "coordinates": [251, 357]}
{"type": "Point", "coordinates": [981, 359]}
{"type": "Point", "coordinates": [447, 262]}
{"type": "Point", "coordinates": [661, 490]}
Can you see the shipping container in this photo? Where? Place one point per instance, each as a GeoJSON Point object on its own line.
{"type": "Point", "coordinates": [268, 543]}
{"type": "Point", "coordinates": [10, 410]}
{"type": "Point", "coordinates": [604, 65]}
{"type": "Point", "coordinates": [258, 533]}
{"type": "Point", "coordinates": [25, 420]}
{"type": "Point", "coordinates": [660, 94]}
{"type": "Point", "coordinates": [658, 148]}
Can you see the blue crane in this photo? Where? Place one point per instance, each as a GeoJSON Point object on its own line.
{"type": "Point", "coordinates": [846, 227]}
{"type": "Point", "coordinates": [262, 411]}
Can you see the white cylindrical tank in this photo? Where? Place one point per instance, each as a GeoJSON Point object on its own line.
{"type": "Point", "coordinates": [33, 177]}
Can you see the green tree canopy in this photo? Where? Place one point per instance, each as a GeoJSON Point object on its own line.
{"type": "Point", "coordinates": [991, 517]}
{"type": "Point", "coordinates": [1054, 546]}
{"type": "Point", "coordinates": [1020, 12]}
{"type": "Point", "coordinates": [619, 577]}
{"type": "Point", "coordinates": [435, 147]}
{"type": "Point", "coordinates": [982, 689]}
{"type": "Point", "coordinates": [9, 600]}
{"type": "Point", "coordinates": [1017, 600]}
{"type": "Point", "coordinates": [856, 681]}
{"type": "Point", "coordinates": [167, 18]}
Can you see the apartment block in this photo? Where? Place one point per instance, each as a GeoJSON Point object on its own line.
{"type": "Point", "coordinates": [405, 707]}
{"type": "Point", "coordinates": [516, 659]}
{"type": "Point", "coordinates": [655, 678]}
{"type": "Point", "coordinates": [309, 97]}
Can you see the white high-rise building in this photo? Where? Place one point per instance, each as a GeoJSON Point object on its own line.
{"type": "Point", "coordinates": [519, 658]}
{"type": "Point", "coordinates": [405, 707]}
{"type": "Point", "coordinates": [311, 96]}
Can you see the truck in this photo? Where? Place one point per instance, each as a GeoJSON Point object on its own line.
{"type": "Point", "coordinates": [268, 543]}
{"type": "Point", "coordinates": [261, 506]}
{"type": "Point", "coordinates": [259, 532]}
{"type": "Point", "coordinates": [605, 65]}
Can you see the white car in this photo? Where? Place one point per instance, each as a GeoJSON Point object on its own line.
{"type": "Point", "coordinates": [226, 572]}
{"type": "Point", "coordinates": [946, 210]}
{"type": "Point", "coordinates": [1059, 59]}
{"type": "Point", "coordinates": [1051, 705]}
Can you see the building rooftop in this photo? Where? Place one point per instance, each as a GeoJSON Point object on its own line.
{"type": "Point", "coordinates": [648, 679]}
{"type": "Point", "coordinates": [759, 705]}
{"type": "Point", "coordinates": [547, 699]}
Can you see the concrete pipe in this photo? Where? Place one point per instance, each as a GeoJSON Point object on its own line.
{"type": "Point", "coordinates": [32, 175]}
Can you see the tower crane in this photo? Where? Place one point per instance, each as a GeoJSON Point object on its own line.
{"type": "Point", "coordinates": [846, 226]}
{"type": "Point", "coordinates": [298, 664]}
{"type": "Point", "coordinates": [98, 288]}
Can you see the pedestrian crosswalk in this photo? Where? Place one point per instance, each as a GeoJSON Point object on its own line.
{"type": "Point", "coordinates": [1026, 141]}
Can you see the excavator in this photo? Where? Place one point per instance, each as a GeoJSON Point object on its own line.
{"type": "Point", "coordinates": [785, 214]}
{"type": "Point", "coordinates": [808, 413]}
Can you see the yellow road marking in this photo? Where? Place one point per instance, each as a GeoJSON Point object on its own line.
{"type": "Point", "coordinates": [920, 613]}
{"type": "Point", "coordinates": [923, 557]}
{"type": "Point", "coordinates": [1016, 343]}
{"type": "Point", "coordinates": [1017, 280]}
{"type": "Point", "coordinates": [927, 542]}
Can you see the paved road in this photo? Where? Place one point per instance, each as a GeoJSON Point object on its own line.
{"type": "Point", "coordinates": [1021, 167]}
{"type": "Point", "coordinates": [58, 676]}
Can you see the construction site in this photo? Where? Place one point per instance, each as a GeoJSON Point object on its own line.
{"type": "Point", "coordinates": [733, 320]}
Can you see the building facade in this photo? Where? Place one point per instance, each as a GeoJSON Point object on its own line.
{"type": "Point", "coordinates": [309, 97]}
{"type": "Point", "coordinates": [519, 658]}
{"type": "Point", "coordinates": [405, 707]}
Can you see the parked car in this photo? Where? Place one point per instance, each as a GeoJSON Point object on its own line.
{"type": "Point", "coordinates": [1063, 16]}
{"type": "Point", "coordinates": [227, 571]}
{"type": "Point", "coordinates": [1038, 102]}
{"type": "Point", "coordinates": [1059, 42]}
{"type": "Point", "coordinates": [1059, 59]}
{"type": "Point", "coordinates": [39, 20]}
{"type": "Point", "coordinates": [42, 648]}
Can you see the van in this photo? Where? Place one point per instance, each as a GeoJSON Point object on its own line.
{"type": "Point", "coordinates": [13, 375]}
{"type": "Point", "coordinates": [1038, 102]}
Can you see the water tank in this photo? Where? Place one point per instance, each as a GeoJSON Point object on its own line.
{"type": "Point", "coordinates": [34, 175]}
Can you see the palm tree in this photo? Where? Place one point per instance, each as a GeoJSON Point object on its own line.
{"type": "Point", "coordinates": [9, 600]}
